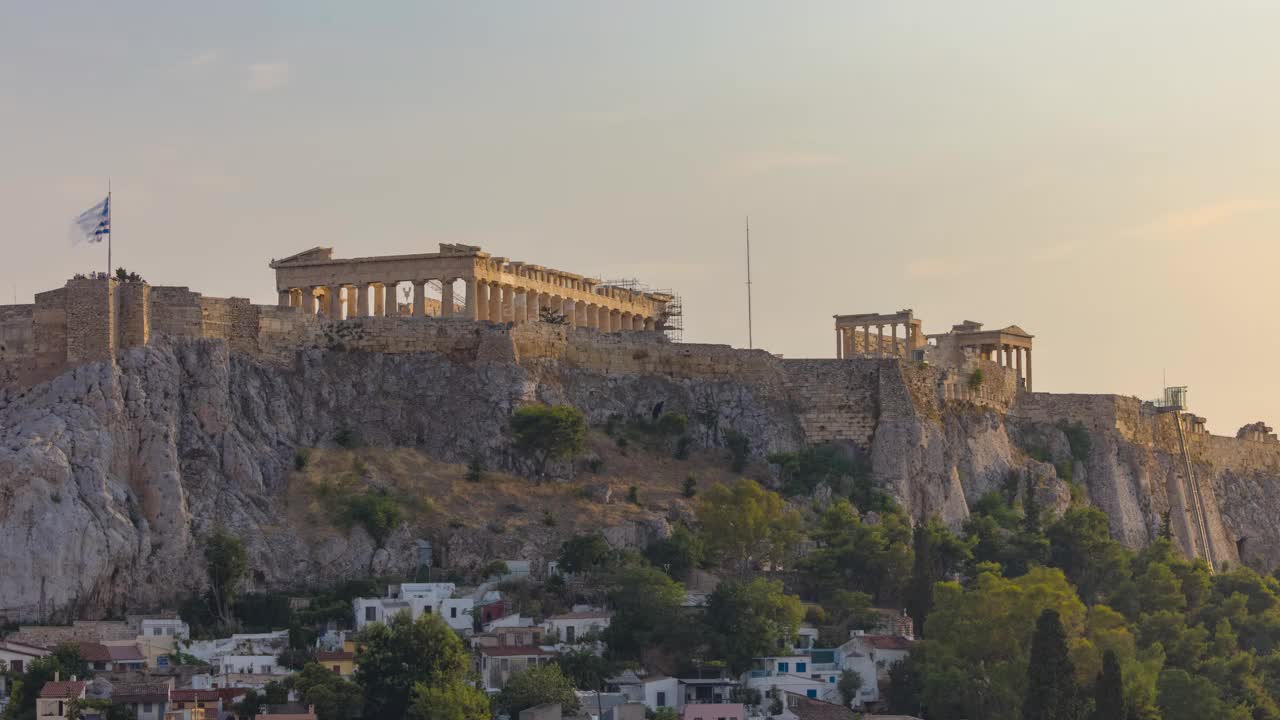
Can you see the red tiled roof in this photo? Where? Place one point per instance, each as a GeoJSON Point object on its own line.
{"type": "Point", "coordinates": [888, 642]}
{"type": "Point", "coordinates": [338, 655]}
{"type": "Point", "coordinates": [189, 695]}
{"type": "Point", "coordinates": [62, 689]}
{"type": "Point", "coordinates": [519, 651]}
{"type": "Point", "coordinates": [597, 615]}
{"type": "Point", "coordinates": [806, 708]}
{"type": "Point", "coordinates": [97, 652]}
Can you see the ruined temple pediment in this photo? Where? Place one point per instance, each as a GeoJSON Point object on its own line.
{"type": "Point", "coordinates": [315, 253]}
{"type": "Point", "coordinates": [1015, 330]}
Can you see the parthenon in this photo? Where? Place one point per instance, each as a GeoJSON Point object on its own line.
{"type": "Point", "coordinates": [1008, 348]}
{"type": "Point", "coordinates": [494, 289]}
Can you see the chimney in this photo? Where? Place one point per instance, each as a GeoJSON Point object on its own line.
{"type": "Point", "coordinates": [56, 676]}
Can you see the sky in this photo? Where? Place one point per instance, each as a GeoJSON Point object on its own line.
{"type": "Point", "coordinates": [1105, 175]}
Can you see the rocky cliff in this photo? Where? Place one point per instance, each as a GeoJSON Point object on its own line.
{"type": "Point", "coordinates": [110, 473]}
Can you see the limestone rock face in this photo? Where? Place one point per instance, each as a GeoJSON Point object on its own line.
{"type": "Point", "coordinates": [109, 474]}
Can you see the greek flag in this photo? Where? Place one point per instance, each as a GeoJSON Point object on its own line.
{"type": "Point", "coordinates": [94, 223]}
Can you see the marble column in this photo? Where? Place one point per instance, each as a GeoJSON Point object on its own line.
{"type": "Point", "coordinates": [650, 324]}
{"type": "Point", "coordinates": [311, 301]}
{"type": "Point", "coordinates": [419, 298]}
{"type": "Point", "coordinates": [362, 300]}
{"type": "Point", "coordinates": [570, 312]}
{"type": "Point", "coordinates": [390, 305]}
{"type": "Point", "coordinates": [1028, 369]}
{"type": "Point", "coordinates": [880, 340]}
{"type": "Point", "coordinates": [446, 297]}
{"type": "Point", "coordinates": [335, 302]}
{"type": "Point", "coordinates": [472, 310]}
{"type": "Point", "coordinates": [495, 302]}
{"type": "Point", "coordinates": [285, 297]}
{"type": "Point", "coordinates": [532, 304]}
{"type": "Point", "coordinates": [379, 301]}
{"type": "Point", "coordinates": [579, 314]}
{"type": "Point", "coordinates": [508, 304]}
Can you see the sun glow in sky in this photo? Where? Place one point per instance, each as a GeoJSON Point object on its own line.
{"type": "Point", "coordinates": [1105, 175]}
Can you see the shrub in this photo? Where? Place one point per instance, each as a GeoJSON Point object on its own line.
{"type": "Point", "coordinates": [595, 464]}
{"type": "Point", "coordinates": [548, 519]}
{"type": "Point", "coordinates": [1079, 440]}
{"type": "Point", "coordinates": [495, 568]}
{"type": "Point", "coordinates": [346, 438]}
{"type": "Point", "coordinates": [739, 446]}
{"type": "Point", "coordinates": [475, 469]}
{"type": "Point", "coordinates": [690, 486]}
{"type": "Point", "coordinates": [633, 495]}
{"type": "Point", "coordinates": [376, 511]}
{"type": "Point", "coordinates": [300, 458]}
{"type": "Point", "coordinates": [975, 380]}
{"type": "Point", "coordinates": [682, 447]}
{"type": "Point", "coordinates": [673, 424]}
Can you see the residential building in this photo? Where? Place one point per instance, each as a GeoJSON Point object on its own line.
{"type": "Point", "coordinates": [270, 643]}
{"type": "Point", "coordinates": [508, 621]}
{"type": "Point", "coordinates": [148, 700]}
{"type": "Point", "coordinates": [207, 702]}
{"type": "Point", "coordinates": [707, 689]}
{"type": "Point", "coordinates": [799, 707]}
{"type": "Point", "coordinates": [56, 696]}
{"type": "Point", "coordinates": [575, 627]}
{"type": "Point", "coordinates": [158, 639]}
{"type": "Point", "coordinates": [654, 691]}
{"type": "Point", "coordinates": [509, 637]}
{"type": "Point", "coordinates": [625, 711]}
{"type": "Point", "coordinates": [289, 711]}
{"type": "Point", "coordinates": [497, 664]}
{"type": "Point", "coordinates": [871, 656]}
{"type": "Point", "coordinates": [341, 661]}
{"type": "Point", "coordinates": [545, 711]}
{"type": "Point", "coordinates": [417, 599]}
{"type": "Point", "coordinates": [814, 676]}
{"type": "Point", "coordinates": [15, 657]}
{"type": "Point", "coordinates": [112, 658]}
{"type": "Point", "coordinates": [248, 665]}
{"type": "Point", "coordinates": [716, 711]}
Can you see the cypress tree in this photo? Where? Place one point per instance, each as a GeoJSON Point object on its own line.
{"type": "Point", "coordinates": [1109, 694]}
{"type": "Point", "coordinates": [919, 598]}
{"type": "Point", "coordinates": [1051, 687]}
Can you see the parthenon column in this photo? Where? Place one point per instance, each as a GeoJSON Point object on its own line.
{"type": "Point", "coordinates": [472, 311]}
{"type": "Point", "coordinates": [446, 297]}
{"type": "Point", "coordinates": [379, 301]}
{"type": "Point", "coordinates": [390, 306]}
{"type": "Point", "coordinates": [335, 302]}
{"type": "Point", "coordinates": [311, 301]}
{"type": "Point", "coordinates": [286, 297]}
{"type": "Point", "coordinates": [570, 312]}
{"type": "Point", "coordinates": [580, 314]}
{"type": "Point", "coordinates": [866, 339]}
{"type": "Point", "coordinates": [1028, 369]}
{"type": "Point", "coordinates": [495, 302]}
{"type": "Point", "coordinates": [362, 300]}
{"type": "Point", "coordinates": [419, 298]}
{"type": "Point", "coordinates": [650, 325]}
{"type": "Point", "coordinates": [880, 339]}
{"type": "Point", "coordinates": [532, 305]}
{"type": "Point", "coordinates": [508, 304]}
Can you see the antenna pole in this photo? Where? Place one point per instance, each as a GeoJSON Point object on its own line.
{"type": "Point", "coordinates": [750, 337]}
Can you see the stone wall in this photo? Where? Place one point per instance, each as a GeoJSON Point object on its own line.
{"type": "Point", "coordinates": [837, 400]}
{"type": "Point", "coordinates": [175, 311]}
{"type": "Point", "coordinates": [232, 319]}
{"type": "Point", "coordinates": [134, 323]}
{"type": "Point", "coordinates": [91, 314]}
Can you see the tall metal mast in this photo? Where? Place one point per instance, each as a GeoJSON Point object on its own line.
{"type": "Point", "coordinates": [750, 337]}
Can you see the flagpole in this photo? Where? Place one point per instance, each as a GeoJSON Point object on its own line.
{"type": "Point", "coordinates": [108, 228]}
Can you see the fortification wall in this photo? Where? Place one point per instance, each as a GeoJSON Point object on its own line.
{"type": "Point", "coordinates": [133, 306]}
{"type": "Point", "coordinates": [175, 311]}
{"type": "Point", "coordinates": [232, 319]}
{"type": "Point", "coordinates": [836, 400]}
{"type": "Point", "coordinates": [49, 330]}
{"type": "Point", "coordinates": [91, 317]}
{"type": "Point", "coordinates": [17, 339]}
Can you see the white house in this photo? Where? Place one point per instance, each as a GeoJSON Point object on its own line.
{"type": "Point", "coordinates": [794, 674]}
{"type": "Point", "coordinates": [248, 665]}
{"type": "Point", "coordinates": [239, 644]}
{"type": "Point", "coordinates": [16, 657]}
{"type": "Point", "coordinates": [417, 599]}
{"type": "Point", "coordinates": [508, 621]}
{"type": "Point", "coordinates": [654, 691]}
{"type": "Point", "coordinates": [572, 627]}
{"type": "Point", "coordinates": [871, 656]}
{"type": "Point", "coordinates": [164, 627]}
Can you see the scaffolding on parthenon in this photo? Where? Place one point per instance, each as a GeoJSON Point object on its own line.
{"type": "Point", "coordinates": [672, 320]}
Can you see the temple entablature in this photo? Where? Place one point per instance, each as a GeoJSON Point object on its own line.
{"type": "Point", "coordinates": [471, 284]}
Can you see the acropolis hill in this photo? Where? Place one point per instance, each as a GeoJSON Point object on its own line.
{"type": "Point", "coordinates": [134, 418]}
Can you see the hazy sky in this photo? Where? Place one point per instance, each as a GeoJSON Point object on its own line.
{"type": "Point", "coordinates": [1105, 175]}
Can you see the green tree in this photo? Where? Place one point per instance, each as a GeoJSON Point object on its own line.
{"type": "Point", "coordinates": [739, 446]}
{"type": "Point", "coordinates": [1080, 543]}
{"type": "Point", "coordinates": [546, 432]}
{"type": "Point", "coordinates": [227, 563]}
{"type": "Point", "coordinates": [849, 684]}
{"type": "Point", "coordinates": [1109, 703]}
{"type": "Point", "coordinates": [585, 553]}
{"type": "Point", "coordinates": [647, 607]}
{"type": "Point", "coordinates": [65, 662]}
{"type": "Point", "coordinates": [1051, 692]}
{"type": "Point", "coordinates": [679, 554]}
{"type": "Point", "coordinates": [584, 669]}
{"type": "Point", "coordinates": [537, 685]}
{"type": "Point", "coordinates": [875, 559]}
{"type": "Point", "coordinates": [334, 697]}
{"type": "Point", "coordinates": [751, 619]}
{"type": "Point", "coordinates": [744, 524]}
{"type": "Point", "coordinates": [396, 655]}
{"type": "Point", "coordinates": [453, 701]}
{"type": "Point", "coordinates": [1183, 696]}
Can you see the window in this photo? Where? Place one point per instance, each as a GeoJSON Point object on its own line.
{"type": "Point", "coordinates": [337, 669]}
{"type": "Point", "coordinates": [811, 692]}
{"type": "Point", "coordinates": [568, 633]}
{"type": "Point", "coordinates": [168, 631]}
{"type": "Point", "coordinates": [784, 667]}
{"type": "Point", "coordinates": [453, 612]}
{"type": "Point", "coordinates": [831, 679]}
{"type": "Point", "coordinates": [662, 699]}
{"type": "Point", "coordinates": [155, 631]}
{"type": "Point", "coordinates": [146, 707]}
{"type": "Point", "coordinates": [15, 665]}
{"type": "Point", "coordinates": [162, 661]}
{"type": "Point", "coordinates": [505, 664]}
{"type": "Point", "coordinates": [801, 667]}
{"type": "Point", "coordinates": [371, 614]}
